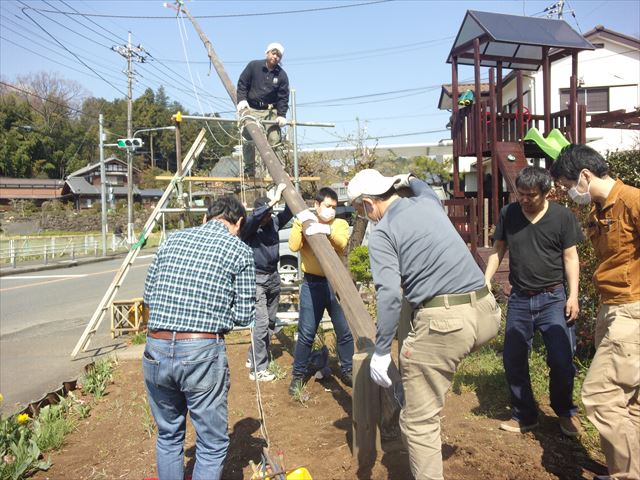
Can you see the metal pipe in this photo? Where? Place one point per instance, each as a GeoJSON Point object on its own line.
{"type": "Point", "coordinates": [296, 172]}
{"type": "Point", "coordinates": [103, 187]}
{"type": "Point", "coordinates": [267, 122]}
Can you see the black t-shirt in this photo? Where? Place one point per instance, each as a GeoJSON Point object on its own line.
{"type": "Point", "coordinates": [535, 249]}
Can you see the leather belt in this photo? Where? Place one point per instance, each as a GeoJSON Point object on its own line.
{"type": "Point", "coordinates": [454, 299]}
{"type": "Point", "coordinates": [533, 293]}
{"type": "Point", "coordinates": [168, 335]}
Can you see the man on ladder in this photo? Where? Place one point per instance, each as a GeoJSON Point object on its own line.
{"type": "Point", "coordinates": [263, 93]}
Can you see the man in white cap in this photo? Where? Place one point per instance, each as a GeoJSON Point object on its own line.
{"type": "Point", "coordinates": [263, 93]}
{"type": "Point", "coordinates": [416, 252]}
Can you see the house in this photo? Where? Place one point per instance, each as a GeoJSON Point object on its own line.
{"type": "Point", "coordinates": [37, 190]}
{"type": "Point", "coordinates": [84, 185]}
{"type": "Point", "coordinates": [608, 84]}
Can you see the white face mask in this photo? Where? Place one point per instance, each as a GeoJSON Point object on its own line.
{"type": "Point", "coordinates": [579, 197]}
{"type": "Point", "coordinates": [368, 211]}
{"type": "Point", "coordinates": [326, 214]}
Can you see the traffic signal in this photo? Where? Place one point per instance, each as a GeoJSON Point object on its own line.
{"type": "Point", "coordinates": [130, 143]}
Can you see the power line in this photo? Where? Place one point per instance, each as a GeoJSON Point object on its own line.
{"type": "Point", "coordinates": [373, 137]}
{"type": "Point", "coordinates": [229, 15]}
{"type": "Point", "coordinates": [60, 43]}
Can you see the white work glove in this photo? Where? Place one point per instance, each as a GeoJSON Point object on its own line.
{"type": "Point", "coordinates": [402, 180]}
{"type": "Point", "coordinates": [379, 366]}
{"type": "Point", "coordinates": [281, 121]}
{"type": "Point", "coordinates": [278, 195]}
{"type": "Point", "coordinates": [242, 104]}
{"type": "Point", "coordinates": [316, 228]}
{"type": "Point", "coordinates": [305, 215]}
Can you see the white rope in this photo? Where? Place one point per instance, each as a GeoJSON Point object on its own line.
{"type": "Point", "coordinates": [254, 367]}
{"type": "Point", "coordinates": [183, 34]}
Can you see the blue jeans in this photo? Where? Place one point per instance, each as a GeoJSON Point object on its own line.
{"type": "Point", "coordinates": [316, 295]}
{"type": "Point", "coordinates": [544, 312]}
{"type": "Point", "coordinates": [193, 376]}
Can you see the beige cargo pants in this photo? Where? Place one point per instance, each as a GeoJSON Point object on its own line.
{"type": "Point", "coordinates": [273, 134]}
{"type": "Point", "coordinates": [439, 338]}
{"type": "Point", "coordinates": [611, 389]}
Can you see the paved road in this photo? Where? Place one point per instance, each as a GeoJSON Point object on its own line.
{"type": "Point", "coordinates": [42, 316]}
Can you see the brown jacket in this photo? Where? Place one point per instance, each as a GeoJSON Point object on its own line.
{"type": "Point", "coordinates": [614, 230]}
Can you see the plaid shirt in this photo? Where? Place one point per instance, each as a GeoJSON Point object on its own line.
{"type": "Point", "coordinates": [202, 280]}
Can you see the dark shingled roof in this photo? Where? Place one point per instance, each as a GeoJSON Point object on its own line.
{"type": "Point", "coordinates": [515, 40]}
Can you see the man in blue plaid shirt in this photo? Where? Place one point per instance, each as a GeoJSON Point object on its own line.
{"type": "Point", "coordinates": [201, 283]}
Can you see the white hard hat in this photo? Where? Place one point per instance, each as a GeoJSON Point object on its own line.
{"type": "Point", "coordinates": [368, 182]}
{"type": "Point", "coordinates": [275, 46]}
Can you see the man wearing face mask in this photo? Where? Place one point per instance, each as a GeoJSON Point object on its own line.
{"type": "Point", "coordinates": [260, 232]}
{"type": "Point", "coordinates": [263, 93]}
{"type": "Point", "coordinates": [541, 237]}
{"type": "Point", "coordinates": [316, 294]}
{"type": "Point", "coordinates": [416, 252]}
{"type": "Point", "coordinates": [611, 389]}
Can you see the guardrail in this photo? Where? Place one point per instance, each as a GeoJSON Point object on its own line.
{"type": "Point", "coordinates": [47, 249]}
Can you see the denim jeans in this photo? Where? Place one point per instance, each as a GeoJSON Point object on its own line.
{"type": "Point", "coordinates": [193, 376]}
{"type": "Point", "coordinates": [267, 299]}
{"type": "Point", "coordinates": [544, 312]}
{"type": "Point", "coordinates": [316, 295]}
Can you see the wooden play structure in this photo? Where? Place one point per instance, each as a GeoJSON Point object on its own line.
{"type": "Point", "coordinates": [128, 316]}
{"type": "Point", "coordinates": [483, 128]}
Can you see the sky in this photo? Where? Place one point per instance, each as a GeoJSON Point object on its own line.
{"type": "Point", "coordinates": [373, 68]}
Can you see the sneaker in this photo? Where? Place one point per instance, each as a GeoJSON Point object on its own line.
{"type": "Point", "coordinates": [247, 364]}
{"type": "Point", "coordinates": [570, 426]}
{"type": "Point", "coordinates": [262, 376]}
{"type": "Point", "coordinates": [347, 378]}
{"type": "Point", "coordinates": [515, 426]}
{"type": "Point", "coordinates": [297, 382]}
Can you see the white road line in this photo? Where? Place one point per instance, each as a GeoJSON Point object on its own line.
{"type": "Point", "coordinates": [31, 277]}
{"type": "Point", "coordinates": [147, 256]}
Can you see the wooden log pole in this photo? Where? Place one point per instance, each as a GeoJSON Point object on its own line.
{"type": "Point", "coordinates": [358, 318]}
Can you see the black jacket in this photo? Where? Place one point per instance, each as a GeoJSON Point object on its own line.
{"type": "Point", "coordinates": [261, 87]}
{"type": "Point", "coordinates": [265, 241]}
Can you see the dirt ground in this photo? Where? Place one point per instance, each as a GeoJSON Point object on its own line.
{"type": "Point", "coordinates": [113, 442]}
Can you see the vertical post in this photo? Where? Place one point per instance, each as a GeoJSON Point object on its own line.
{"type": "Point", "coordinates": [46, 259]}
{"type": "Point", "coordinates": [520, 119]}
{"type": "Point", "coordinates": [296, 171]}
{"type": "Point", "coordinates": [130, 234]}
{"type": "Point", "coordinates": [73, 251]}
{"type": "Point", "coordinates": [153, 160]}
{"type": "Point", "coordinates": [573, 103]}
{"type": "Point", "coordinates": [495, 171]}
{"type": "Point", "coordinates": [546, 89]}
{"type": "Point", "coordinates": [103, 187]}
{"type": "Point", "coordinates": [12, 253]}
{"type": "Point", "coordinates": [454, 127]}
{"type": "Point", "coordinates": [478, 130]}
{"type": "Point", "coordinates": [178, 119]}
{"type": "Point", "coordinates": [485, 230]}
{"type": "Point", "coordinates": [499, 99]}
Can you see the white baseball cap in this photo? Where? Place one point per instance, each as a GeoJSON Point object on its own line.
{"type": "Point", "coordinates": [368, 182]}
{"type": "Point", "coordinates": [275, 46]}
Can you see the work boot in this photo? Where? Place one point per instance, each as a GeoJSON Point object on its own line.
{"type": "Point", "coordinates": [347, 378]}
{"type": "Point", "coordinates": [297, 382]}
{"type": "Point", "coordinates": [514, 426]}
{"type": "Point", "coordinates": [570, 426]}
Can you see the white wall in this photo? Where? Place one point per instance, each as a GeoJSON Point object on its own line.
{"type": "Point", "coordinates": [612, 66]}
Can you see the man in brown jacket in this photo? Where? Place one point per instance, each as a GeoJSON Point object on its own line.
{"type": "Point", "coordinates": [611, 389]}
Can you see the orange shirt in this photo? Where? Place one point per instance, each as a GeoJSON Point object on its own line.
{"type": "Point", "coordinates": [614, 230]}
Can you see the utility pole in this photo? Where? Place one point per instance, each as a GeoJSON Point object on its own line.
{"type": "Point", "coordinates": [555, 9]}
{"type": "Point", "coordinates": [103, 188]}
{"type": "Point", "coordinates": [132, 54]}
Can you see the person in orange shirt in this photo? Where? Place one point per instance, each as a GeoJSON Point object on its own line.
{"type": "Point", "coordinates": [611, 389]}
{"type": "Point", "coordinates": [316, 294]}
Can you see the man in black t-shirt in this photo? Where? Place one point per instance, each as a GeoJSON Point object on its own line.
{"type": "Point", "coordinates": [541, 237]}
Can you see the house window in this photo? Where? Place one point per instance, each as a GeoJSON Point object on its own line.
{"type": "Point", "coordinates": [512, 106]}
{"type": "Point", "coordinates": [596, 99]}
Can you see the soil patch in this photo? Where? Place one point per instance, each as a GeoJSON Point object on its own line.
{"type": "Point", "coordinates": [114, 442]}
